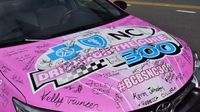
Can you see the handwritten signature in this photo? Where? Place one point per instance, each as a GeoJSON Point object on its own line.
{"type": "Point", "coordinates": [54, 98]}
{"type": "Point", "coordinates": [88, 104]}
{"type": "Point", "coordinates": [75, 89]}
{"type": "Point", "coordinates": [98, 88]}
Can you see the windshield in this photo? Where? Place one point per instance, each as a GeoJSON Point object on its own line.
{"type": "Point", "coordinates": [42, 19]}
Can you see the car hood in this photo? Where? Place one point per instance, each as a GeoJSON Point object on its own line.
{"type": "Point", "coordinates": [121, 66]}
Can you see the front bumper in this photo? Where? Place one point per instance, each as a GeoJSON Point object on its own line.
{"type": "Point", "coordinates": [174, 103]}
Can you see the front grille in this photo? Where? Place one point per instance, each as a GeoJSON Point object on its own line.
{"type": "Point", "coordinates": [170, 104]}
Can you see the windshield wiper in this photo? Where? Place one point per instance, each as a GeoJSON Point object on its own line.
{"type": "Point", "coordinates": [40, 40]}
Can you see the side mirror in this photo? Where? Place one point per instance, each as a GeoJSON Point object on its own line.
{"type": "Point", "coordinates": [121, 4]}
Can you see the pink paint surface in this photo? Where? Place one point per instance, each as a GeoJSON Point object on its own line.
{"type": "Point", "coordinates": [101, 88]}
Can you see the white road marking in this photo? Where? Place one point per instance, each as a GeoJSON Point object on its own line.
{"type": "Point", "coordinates": [186, 11]}
{"type": "Point", "coordinates": [129, 5]}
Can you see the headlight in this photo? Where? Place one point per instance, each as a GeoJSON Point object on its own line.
{"type": "Point", "coordinates": [197, 61]}
{"type": "Point", "coordinates": [196, 70]}
{"type": "Point", "coordinates": [22, 107]}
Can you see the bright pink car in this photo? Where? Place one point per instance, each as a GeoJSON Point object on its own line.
{"type": "Point", "coordinates": [90, 56]}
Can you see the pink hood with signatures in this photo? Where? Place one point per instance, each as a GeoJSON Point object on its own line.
{"type": "Point", "coordinates": [121, 66]}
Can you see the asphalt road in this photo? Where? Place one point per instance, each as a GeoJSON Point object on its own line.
{"type": "Point", "coordinates": [177, 17]}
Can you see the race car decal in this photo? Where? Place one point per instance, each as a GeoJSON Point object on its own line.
{"type": "Point", "coordinates": [134, 57]}
{"type": "Point", "coordinates": [73, 62]}
{"type": "Point", "coordinates": [145, 75]}
{"type": "Point", "coordinates": [41, 78]}
{"type": "Point", "coordinates": [132, 32]}
{"type": "Point", "coordinates": [95, 41]}
{"type": "Point", "coordinates": [65, 52]}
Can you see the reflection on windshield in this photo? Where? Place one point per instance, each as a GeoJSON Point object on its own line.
{"type": "Point", "coordinates": [41, 19]}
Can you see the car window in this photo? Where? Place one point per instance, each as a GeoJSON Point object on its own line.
{"type": "Point", "coordinates": [42, 19]}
